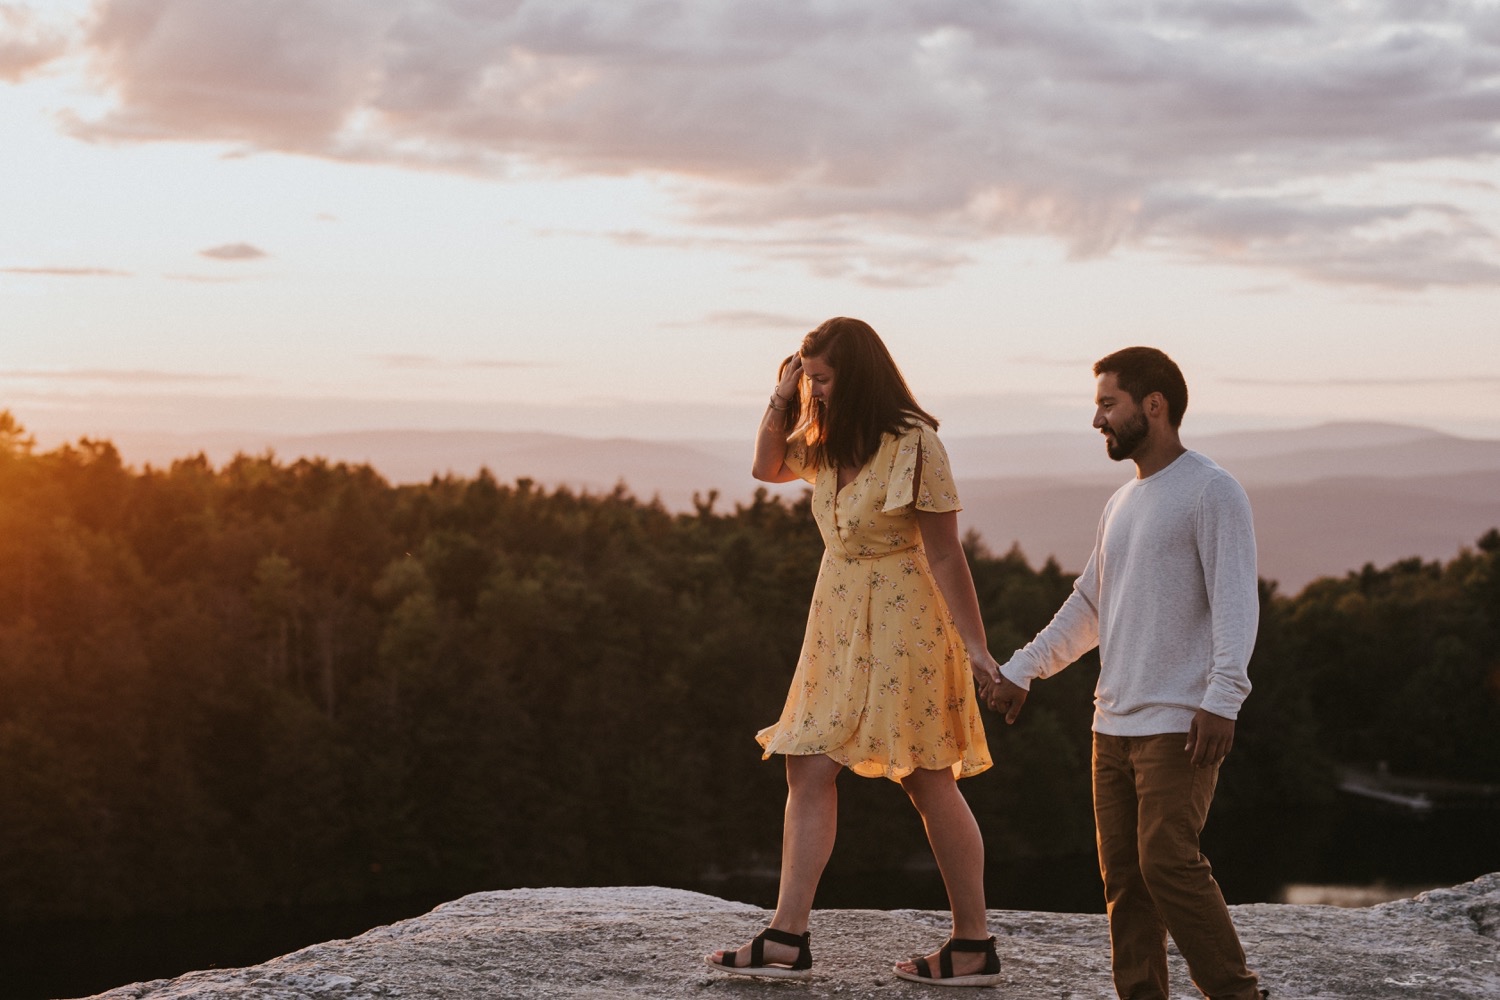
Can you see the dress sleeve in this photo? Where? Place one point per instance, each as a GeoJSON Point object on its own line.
{"type": "Point", "coordinates": [796, 459]}
{"type": "Point", "coordinates": [936, 492]}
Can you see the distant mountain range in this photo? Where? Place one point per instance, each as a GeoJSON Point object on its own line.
{"type": "Point", "coordinates": [1327, 499]}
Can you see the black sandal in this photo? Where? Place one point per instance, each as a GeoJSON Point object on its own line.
{"type": "Point", "coordinates": [990, 976]}
{"type": "Point", "coordinates": [800, 969]}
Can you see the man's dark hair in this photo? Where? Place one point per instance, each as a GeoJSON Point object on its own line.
{"type": "Point", "coordinates": [1144, 370]}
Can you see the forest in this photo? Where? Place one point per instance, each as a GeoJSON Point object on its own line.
{"type": "Point", "coordinates": [292, 682]}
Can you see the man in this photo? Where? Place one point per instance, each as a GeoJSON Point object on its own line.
{"type": "Point", "coordinates": [1170, 597]}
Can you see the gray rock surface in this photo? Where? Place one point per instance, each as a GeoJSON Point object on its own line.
{"type": "Point", "coordinates": [593, 944]}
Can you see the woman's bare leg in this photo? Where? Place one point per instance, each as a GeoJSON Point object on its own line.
{"type": "Point", "coordinates": [958, 847]}
{"type": "Point", "coordinates": [806, 842]}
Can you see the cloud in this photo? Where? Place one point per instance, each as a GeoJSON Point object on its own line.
{"type": "Point", "coordinates": [1218, 131]}
{"type": "Point", "coordinates": [1397, 382]}
{"type": "Point", "coordinates": [486, 363]}
{"type": "Point", "coordinates": [205, 279]}
{"type": "Point", "coordinates": [26, 43]}
{"type": "Point", "coordinates": [68, 272]}
{"type": "Point", "coordinates": [113, 376]}
{"type": "Point", "coordinates": [277, 74]}
{"type": "Point", "coordinates": [1402, 246]}
{"type": "Point", "coordinates": [835, 249]}
{"type": "Point", "coordinates": [1233, 15]}
{"type": "Point", "coordinates": [427, 362]}
{"type": "Point", "coordinates": [233, 251]}
{"type": "Point", "coordinates": [746, 319]}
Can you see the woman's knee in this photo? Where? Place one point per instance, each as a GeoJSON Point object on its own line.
{"type": "Point", "coordinates": [811, 771]}
{"type": "Point", "coordinates": [924, 786]}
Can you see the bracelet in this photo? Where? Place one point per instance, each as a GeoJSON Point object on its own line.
{"type": "Point", "coordinates": [775, 398]}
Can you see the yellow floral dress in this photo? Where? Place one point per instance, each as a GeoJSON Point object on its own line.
{"type": "Point", "coordinates": [883, 684]}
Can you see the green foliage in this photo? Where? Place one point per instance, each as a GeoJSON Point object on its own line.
{"type": "Point", "coordinates": [1402, 665]}
{"type": "Point", "coordinates": [290, 683]}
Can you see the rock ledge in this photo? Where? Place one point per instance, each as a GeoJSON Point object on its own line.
{"type": "Point", "coordinates": [593, 944]}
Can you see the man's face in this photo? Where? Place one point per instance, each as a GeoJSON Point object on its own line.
{"type": "Point", "coordinates": [1119, 418]}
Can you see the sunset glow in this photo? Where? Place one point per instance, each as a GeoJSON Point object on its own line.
{"type": "Point", "coordinates": [615, 218]}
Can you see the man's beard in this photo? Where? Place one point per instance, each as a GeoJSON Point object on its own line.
{"type": "Point", "coordinates": [1127, 438]}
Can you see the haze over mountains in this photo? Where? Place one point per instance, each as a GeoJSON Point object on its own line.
{"type": "Point", "coordinates": [1327, 499]}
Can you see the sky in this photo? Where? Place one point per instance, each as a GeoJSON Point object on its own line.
{"type": "Point", "coordinates": [615, 218]}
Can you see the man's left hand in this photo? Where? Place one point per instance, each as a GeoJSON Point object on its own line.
{"type": "Point", "coordinates": [1209, 738]}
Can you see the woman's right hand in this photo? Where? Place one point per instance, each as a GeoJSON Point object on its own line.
{"type": "Point", "coordinates": [783, 410]}
{"type": "Point", "coordinates": [790, 376]}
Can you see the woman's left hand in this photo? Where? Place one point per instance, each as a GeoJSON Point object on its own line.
{"type": "Point", "coordinates": [986, 671]}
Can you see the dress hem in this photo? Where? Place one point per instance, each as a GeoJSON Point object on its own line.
{"type": "Point", "coordinates": [961, 767]}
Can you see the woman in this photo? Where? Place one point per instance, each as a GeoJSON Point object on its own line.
{"type": "Point", "coordinates": [883, 684]}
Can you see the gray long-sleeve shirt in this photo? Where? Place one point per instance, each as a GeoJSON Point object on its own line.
{"type": "Point", "coordinates": [1169, 596]}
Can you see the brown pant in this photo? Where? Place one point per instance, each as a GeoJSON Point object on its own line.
{"type": "Point", "coordinates": [1150, 804]}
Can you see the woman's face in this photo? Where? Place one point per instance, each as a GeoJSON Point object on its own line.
{"type": "Point", "coordinates": [819, 378]}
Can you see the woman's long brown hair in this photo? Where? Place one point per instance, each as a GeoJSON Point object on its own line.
{"type": "Point", "coordinates": [871, 397]}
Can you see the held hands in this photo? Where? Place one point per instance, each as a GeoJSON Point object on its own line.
{"type": "Point", "coordinates": [1209, 738]}
{"type": "Point", "coordinates": [986, 672]}
{"type": "Point", "coordinates": [1006, 697]}
{"type": "Point", "coordinates": [995, 689]}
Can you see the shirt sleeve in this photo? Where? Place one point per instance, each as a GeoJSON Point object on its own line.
{"type": "Point", "coordinates": [1073, 631]}
{"type": "Point", "coordinates": [1226, 548]}
{"type": "Point", "coordinates": [796, 459]}
{"type": "Point", "coordinates": [935, 492]}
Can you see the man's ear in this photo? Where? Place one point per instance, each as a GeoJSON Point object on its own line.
{"type": "Point", "coordinates": [1156, 404]}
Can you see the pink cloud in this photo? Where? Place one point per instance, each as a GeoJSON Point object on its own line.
{"type": "Point", "coordinates": [67, 272]}
{"type": "Point", "coordinates": [278, 74]}
{"type": "Point", "coordinates": [233, 251]}
{"type": "Point", "coordinates": [116, 376]}
{"type": "Point", "coordinates": [427, 361]}
{"type": "Point", "coordinates": [26, 43]}
{"type": "Point", "coordinates": [902, 131]}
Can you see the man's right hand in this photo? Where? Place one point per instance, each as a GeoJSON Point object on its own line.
{"type": "Point", "coordinates": [1007, 697]}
